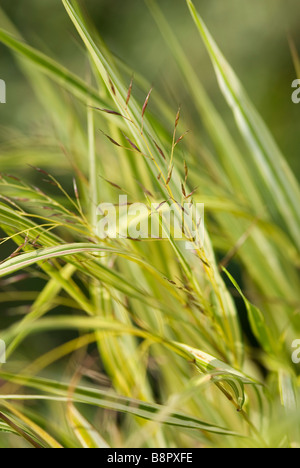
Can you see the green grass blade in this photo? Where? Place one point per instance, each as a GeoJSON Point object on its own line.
{"type": "Point", "coordinates": [54, 70]}
{"type": "Point", "coordinates": [109, 400]}
{"type": "Point", "coordinates": [257, 322]}
{"type": "Point", "coordinates": [274, 172]}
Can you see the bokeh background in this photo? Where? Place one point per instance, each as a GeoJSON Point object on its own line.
{"type": "Point", "coordinates": [252, 34]}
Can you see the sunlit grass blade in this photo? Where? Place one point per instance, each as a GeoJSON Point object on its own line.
{"type": "Point", "coordinates": [84, 431]}
{"type": "Point", "coordinates": [275, 174]}
{"type": "Point", "coordinates": [112, 401]}
{"type": "Point", "coordinates": [41, 433]}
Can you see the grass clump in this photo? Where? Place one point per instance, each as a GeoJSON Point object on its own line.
{"type": "Point", "coordinates": [94, 327]}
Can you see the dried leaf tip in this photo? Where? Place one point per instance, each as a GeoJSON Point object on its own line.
{"type": "Point", "coordinates": [146, 192]}
{"type": "Point", "coordinates": [192, 193]}
{"type": "Point", "coordinates": [108, 111]}
{"type": "Point", "coordinates": [186, 172]}
{"type": "Point", "coordinates": [177, 117]}
{"type": "Point", "coordinates": [170, 175]}
{"type": "Point", "coordinates": [112, 184]}
{"type": "Point", "coordinates": [146, 102]}
{"type": "Point", "coordinates": [111, 85]}
{"type": "Point", "coordinates": [38, 169]}
{"type": "Point", "coordinates": [159, 150]}
{"type": "Point", "coordinates": [129, 92]}
{"type": "Point", "coordinates": [111, 139]}
{"type": "Point", "coordinates": [10, 176]}
{"type": "Point", "coordinates": [131, 143]}
{"type": "Point", "coordinates": [181, 137]}
{"type": "Point", "coordinates": [75, 189]}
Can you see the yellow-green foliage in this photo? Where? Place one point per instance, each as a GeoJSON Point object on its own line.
{"type": "Point", "coordinates": [148, 329]}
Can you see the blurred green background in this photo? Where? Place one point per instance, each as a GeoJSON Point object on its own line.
{"type": "Point", "coordinates": [254, 37]}
{"type": "Point", "coordinates": [252, 34]}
